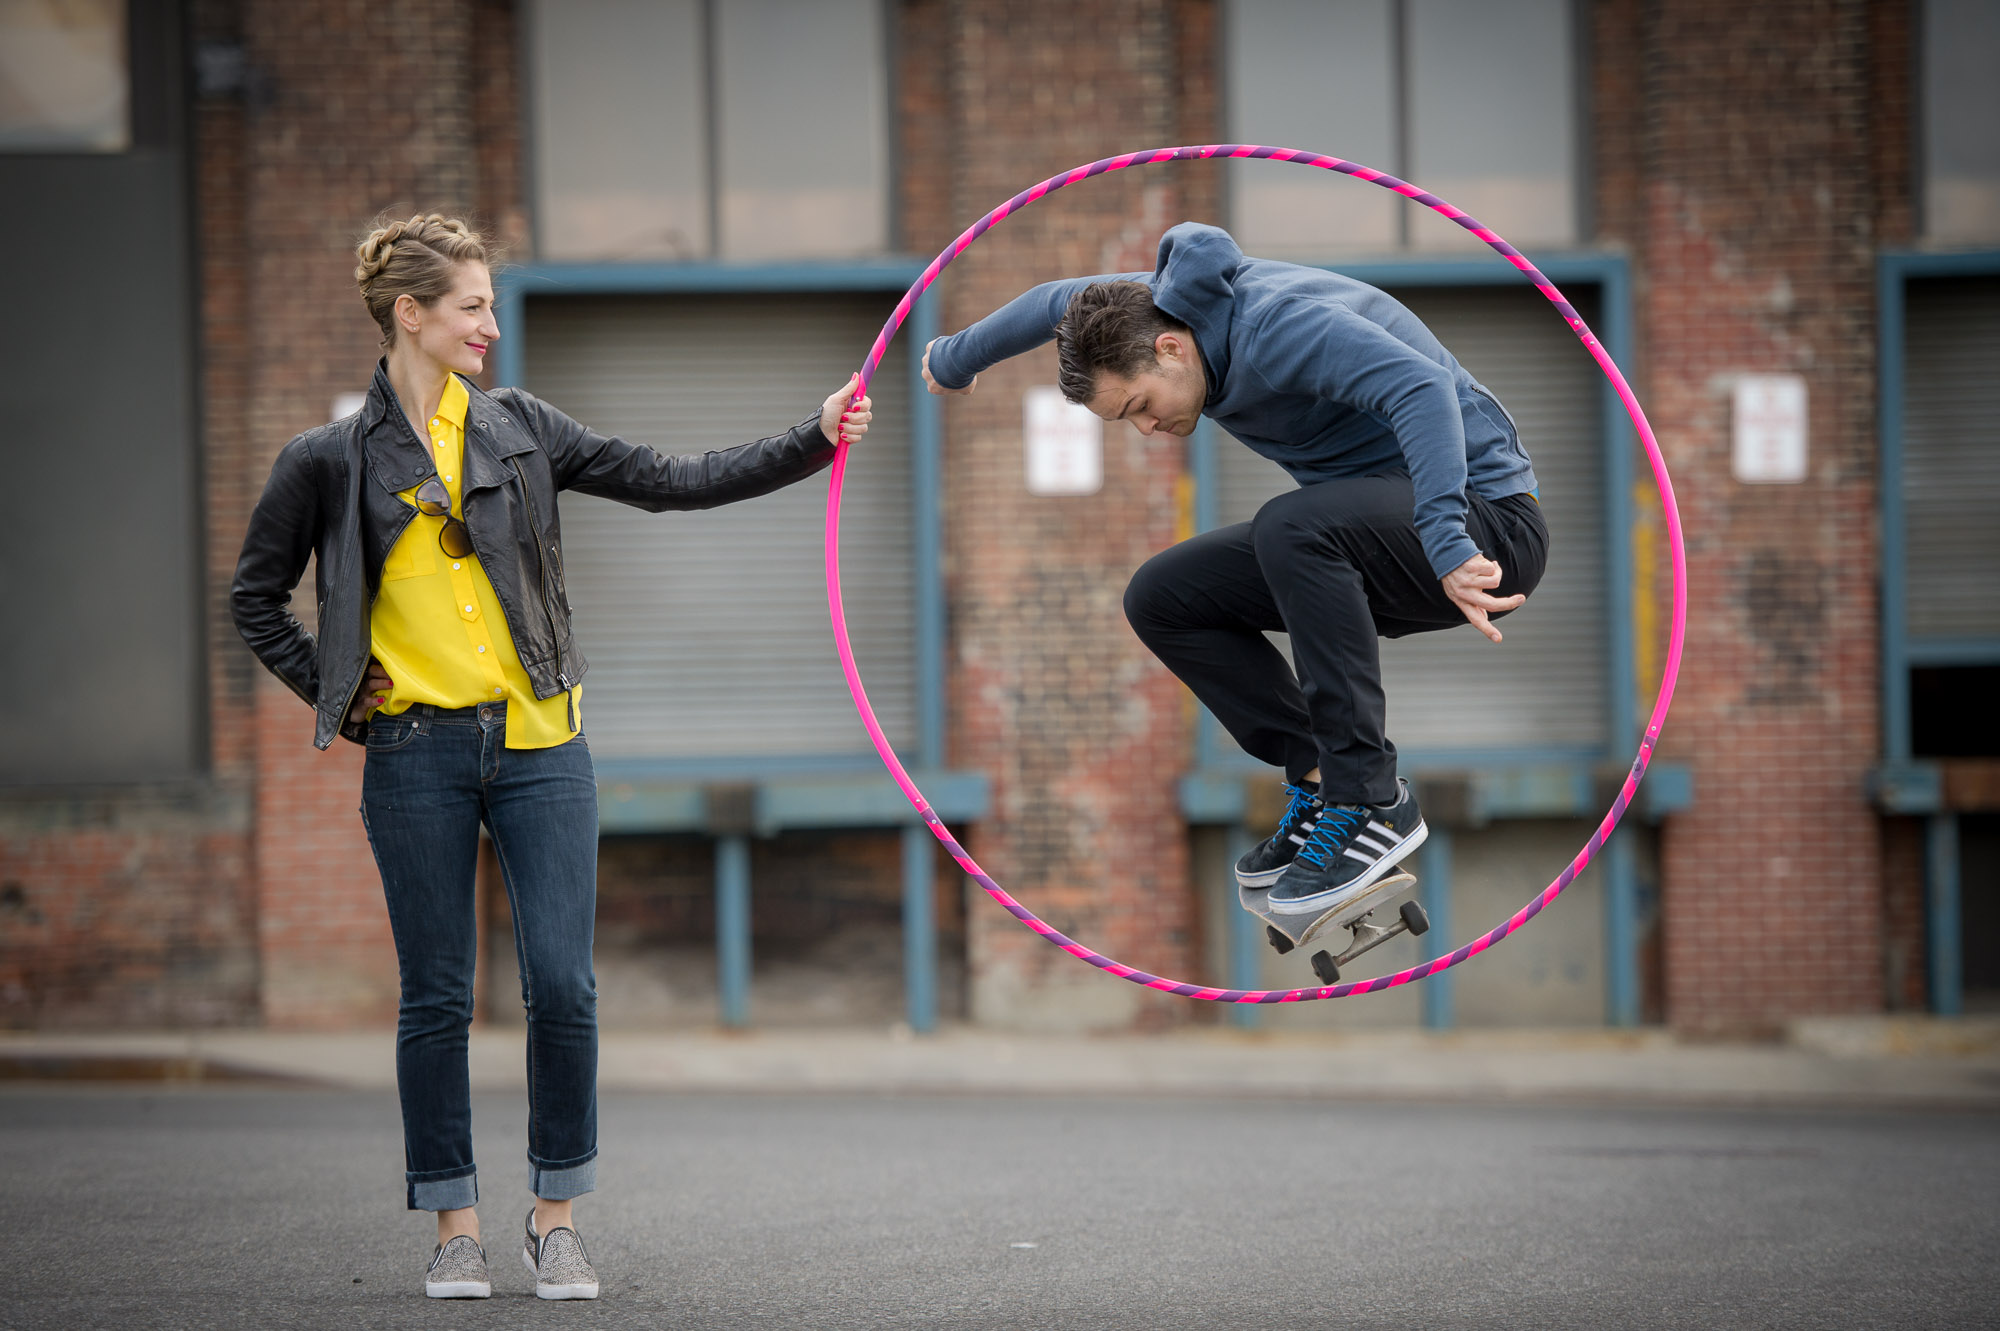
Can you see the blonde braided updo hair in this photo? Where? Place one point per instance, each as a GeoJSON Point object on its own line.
{"type": "Point", "coordinates": [415, 258]}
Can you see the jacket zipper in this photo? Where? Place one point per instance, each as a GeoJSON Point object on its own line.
{"type": "Point", "coordinates": [362, 678]}
{"type": "Point", "coordinates": [548, 610]}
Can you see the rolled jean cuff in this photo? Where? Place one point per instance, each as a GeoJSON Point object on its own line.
{"type": "Point", "coordinates": [559, 1183]}
{"type": "Point", "coordinates": [444, 1189]}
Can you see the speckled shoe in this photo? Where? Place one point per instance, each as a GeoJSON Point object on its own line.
{"type": "Point", "coordinates": [560, 1267]}
{"type": "Point", "coordinates": [458, 1271]}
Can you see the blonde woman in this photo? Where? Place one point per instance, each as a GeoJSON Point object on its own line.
{"type": "Point", "coordinates": [444, 646]}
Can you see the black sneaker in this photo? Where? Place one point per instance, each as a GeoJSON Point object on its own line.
{"type": "Point", "coordinates": [1262, 863]}
{"type": "Point", "coordinates": [1350, 849]}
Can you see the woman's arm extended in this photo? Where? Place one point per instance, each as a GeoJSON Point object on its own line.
{"type": "Point", "coordinates": [614, 468]}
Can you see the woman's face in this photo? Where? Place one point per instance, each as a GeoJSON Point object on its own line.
{"type": "Point", "coordinates": [457, 329]}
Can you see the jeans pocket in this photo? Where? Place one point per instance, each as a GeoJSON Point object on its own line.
{"type": "Point", "coordinates": [387, 734]}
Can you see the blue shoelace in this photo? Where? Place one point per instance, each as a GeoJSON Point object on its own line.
{"type": "Point", "coordinates": [1336, 827]}
{"type": "Point", "coordinates": [1301, 800]}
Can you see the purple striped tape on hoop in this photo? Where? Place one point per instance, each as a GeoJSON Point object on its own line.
{"type": "Point", "coordinates": [1597, 353]}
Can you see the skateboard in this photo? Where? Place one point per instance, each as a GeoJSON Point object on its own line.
{"type": "Point", "coordinates": [1285, 932]}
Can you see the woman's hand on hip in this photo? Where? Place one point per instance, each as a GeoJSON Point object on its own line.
{"type": "Point", "coordinates": [373, 693]}
{"type": "Point", "coordinates": [1467, 587]}
{"type": "Point", "coordinates": [844, 416]}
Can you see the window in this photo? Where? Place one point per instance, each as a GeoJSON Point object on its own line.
{"type": "Point", "coordinates": [1473, 101]}
{"type": "Point", "coordinates": [699, 129]}
{"type": "Point", "coordinates": [1961, 120]}
{"type": "Point", "coordinates": [64, 86]}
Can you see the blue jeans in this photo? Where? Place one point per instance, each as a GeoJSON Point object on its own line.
{"type": "Point", "coordinates": [431, 778]}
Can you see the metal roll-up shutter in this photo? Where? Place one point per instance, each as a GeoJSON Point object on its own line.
{"type": "Point", "coordinates": [1951, 456]}
{"type": "Point", "coordinates": [1545, 686]}
{"type": "Point", "coordinates": [707, 632]}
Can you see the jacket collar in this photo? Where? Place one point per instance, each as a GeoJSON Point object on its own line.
{"type": "Point", "coordinates": [396, 456]}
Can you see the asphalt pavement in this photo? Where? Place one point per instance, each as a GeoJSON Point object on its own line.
{"type": "Point", "coordinates": [209, 1206]}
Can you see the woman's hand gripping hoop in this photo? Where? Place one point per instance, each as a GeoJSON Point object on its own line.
{"type": "Point", "coordinates": [1591, 345]}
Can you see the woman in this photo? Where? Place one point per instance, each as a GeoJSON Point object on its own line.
{"type": "Point", "coordinates": [444, 646]}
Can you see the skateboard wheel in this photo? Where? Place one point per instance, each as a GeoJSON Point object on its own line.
{"type": "Point", "coordinates": [1324, 967]}
{"type": "Point", "coordinates": [1278, 941]}
{"type": "Point", "coordinates": [1414, 918]}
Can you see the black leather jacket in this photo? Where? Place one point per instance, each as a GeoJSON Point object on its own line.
{"type": "Point", "coordinates": [333, 493]}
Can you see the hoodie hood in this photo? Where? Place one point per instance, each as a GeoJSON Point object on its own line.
{"type": "Point", "coordinates": [1194, 282]}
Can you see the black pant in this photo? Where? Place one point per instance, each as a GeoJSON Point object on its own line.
{"type": "Point", "coordinates": [1335, 565]}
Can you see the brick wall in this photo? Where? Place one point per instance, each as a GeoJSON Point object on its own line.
{"type": "Point", "coordinates": [1082, 733]}
{"type": "Point", "coordinates": [1749, 158]}
{"type": "Point", "coordinates": [1753, 227]}
{"type": "Point", "coordinates": [374, 114]}
{"type": "Point", "coordinates": [126, 908]}
{"type": "Point", "coordinates": [135, 906]}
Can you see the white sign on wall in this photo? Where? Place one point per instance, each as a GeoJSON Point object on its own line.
{"type": "Point", "coordinates": [1769, 423]}
{"type": "Point", "coordinates": [1065, 444]}
{"type": "Point", "coordinates": [346, 404]}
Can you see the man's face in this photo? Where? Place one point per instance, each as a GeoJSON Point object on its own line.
{"type": "Point", "coordinates": [1166, 399]}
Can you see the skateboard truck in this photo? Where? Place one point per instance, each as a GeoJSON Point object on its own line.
{"type": "Point", "coordinates": [1410, 919]}
{"type": "Point", "coordinates": [1286, 932]}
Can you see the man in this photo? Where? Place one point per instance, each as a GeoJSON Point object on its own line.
{"type": "Point", "coordinates": [1415, 511]}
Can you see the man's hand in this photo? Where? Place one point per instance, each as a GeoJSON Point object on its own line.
{"type": "Point", "coordinates": [933, 384]}
{"type": "Point", "coordinates": [373, 693]}
{"type": "Point", "coordinates": [1467, 587]}
{"type": "Point", "coordinates": [841, 418]}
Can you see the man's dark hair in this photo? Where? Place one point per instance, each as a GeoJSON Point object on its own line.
{"type": "Point", "coordinates": [1109, 327]}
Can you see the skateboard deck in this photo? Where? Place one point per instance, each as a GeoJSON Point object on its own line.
{"type": "Point", "coordinates": [1391, 896]}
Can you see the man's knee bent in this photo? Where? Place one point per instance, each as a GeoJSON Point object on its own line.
{"type": "Point", "coordinates": [1149, 598]}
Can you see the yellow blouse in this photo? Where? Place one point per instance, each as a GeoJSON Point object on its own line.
{"type": "Point", "coordinates": [437, 628]}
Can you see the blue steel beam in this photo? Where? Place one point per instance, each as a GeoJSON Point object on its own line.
{"type": "Point", "coordinates": [1943, 937]}
{"type": "Point", "coordinates": [732, 928]}
{"type": "Point", "coordinates": [1889, 284]}
{"type": "Point", "coordinates": [1246, 933]}
{"type": "Point", "coordinates": [1434, 888]}
{"type": "Point", "coordinates": [919, 930]}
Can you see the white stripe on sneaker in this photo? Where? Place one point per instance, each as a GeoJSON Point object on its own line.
{"type": "Point", "coordinates": [1363, 839]}
{"type": "Point", "coordinates": [1354, 854]}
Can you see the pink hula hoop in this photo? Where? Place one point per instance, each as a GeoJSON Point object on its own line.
{"type": "Point", "coordinates": [1597, 353]}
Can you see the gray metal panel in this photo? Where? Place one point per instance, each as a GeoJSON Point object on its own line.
{"type": "Point", "coordinates": [100, 572]}
{"type": "Point", "coordinates": [1545, 685]}
{"type": "Point", "coordinates": [1951, 456]}
{"type": "Point", "coordinates": [707, 632]}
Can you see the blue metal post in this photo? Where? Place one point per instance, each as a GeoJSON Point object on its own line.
{"type": "Point", "coordinates": [1889, 291]}
{"type": "Point", "coordinates": [927, 499]}
{"type": "Point", "coordinates": [920, 946]}
{"type": "Point", "coordinates": [919, 929]}
{"type": "Point", "coordinates": [732, 928]}
{"type": "Point", "coordinates": [1435, 889]}
{"type": "Point", "coordinates": [1621, 887]}
{"type": "Point", "coordinates": [1621, 932]}
{"type": "Point", "coordinates": [1941, 897]}
{"type": "Point", "coordinates": [1246, 935]}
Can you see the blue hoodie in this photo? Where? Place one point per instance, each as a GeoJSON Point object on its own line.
{"type": "Point", "coordinates": [1325, 376]}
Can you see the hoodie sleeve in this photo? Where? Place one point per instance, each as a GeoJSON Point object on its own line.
{"type": "Point", "coordinates": [1304, 347]}
{"type": "Point", "coordinates": [1022, 324]}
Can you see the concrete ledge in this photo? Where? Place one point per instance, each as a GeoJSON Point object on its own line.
{"type": "Point", "coordinates": [1897, 1036]}
{"type": "Point", "coordinates": [1839, 1065]}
